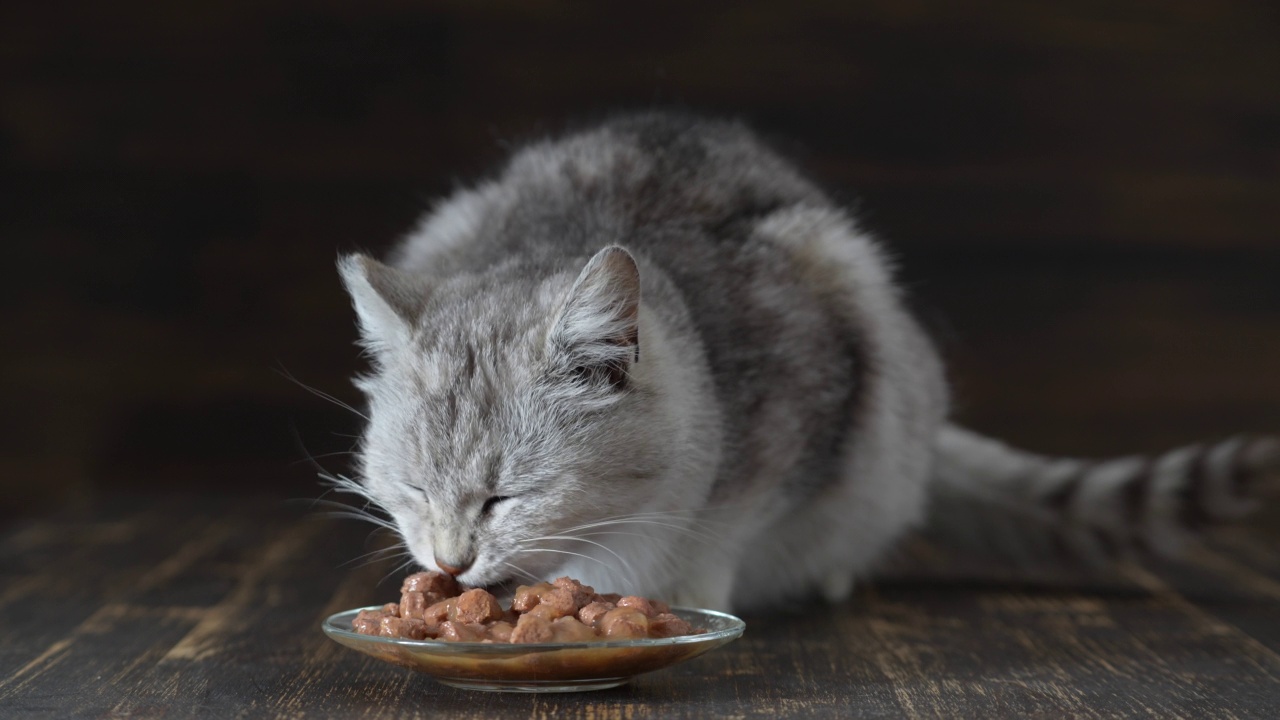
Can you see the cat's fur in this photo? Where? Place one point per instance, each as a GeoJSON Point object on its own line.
{"type": "Point", "coordinates": [654, 357]}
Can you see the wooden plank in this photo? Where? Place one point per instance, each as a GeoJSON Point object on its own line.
{"type": "Point", "coordinates": [259, 636]}
{"type": "Point", "coordinates": [1237, 591]}
{"type": "Point", "coordinates": [64, 572]}
{"type": "Point", "coordinates": [150, 598]}
{"type": "Point", "coordinates": [255, 581]}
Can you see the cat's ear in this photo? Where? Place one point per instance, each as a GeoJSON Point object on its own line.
{"type": "Point", "coordinates": [386, 300]}
{"type": "Point", "coordinates": [597, 335]}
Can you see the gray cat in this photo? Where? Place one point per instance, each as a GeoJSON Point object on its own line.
{"type": "Point", "coordinates": [655, 357]}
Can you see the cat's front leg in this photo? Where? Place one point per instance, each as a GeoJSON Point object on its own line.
{"type": "Point", "coordinates": [707, 581]}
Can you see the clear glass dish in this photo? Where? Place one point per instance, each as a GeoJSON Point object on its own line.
{"type": "Point", "coordinates": [540, 667]}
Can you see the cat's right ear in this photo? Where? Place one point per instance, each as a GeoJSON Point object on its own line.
{"type": "Point", "coordinates": [386, 301]}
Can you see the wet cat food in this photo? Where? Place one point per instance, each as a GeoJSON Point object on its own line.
{"type": "Point", "coordinates": [433, 606]}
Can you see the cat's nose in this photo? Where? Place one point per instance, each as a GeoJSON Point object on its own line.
{"type": "Point", "coordinates": [454, 568]}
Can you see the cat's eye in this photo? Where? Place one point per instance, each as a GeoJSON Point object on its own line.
{"type": "Point", "coordinates": [487, 509]}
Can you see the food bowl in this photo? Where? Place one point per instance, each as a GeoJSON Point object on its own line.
{"type": "Point", "coordinates": [540, 667]}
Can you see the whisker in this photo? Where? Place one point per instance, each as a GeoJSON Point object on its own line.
{"type": "Point", "coordinates": [397, 569]}
{"type": "Point", "coordinates": [357, 515]}
{"type": "Point", "coordinates": [343, 484]}
{"type": "Point", "coordinates": [607, 549]}
{"type": "Point", "coordinates": [696, 534]}
{"type": "Point", "coordinates": [307, 454]}
{"type": "Point", "coordinates": [618, 532]}
{"type": "Point", "coordinates": [312, 458]}
{"type": "Point", "coordinates": [659, 516]}
{"type": "Point", "coordinates": [609, 570]}
{"type": "Point", "coordinates": [319, 393]}
{"type": "Point", "coordinates": [344, 506]}
{"type": "Point", "coordinates": [534, 578]}
{"type": "Point", "coordinates": [662, 514]}
{"type": "Point", "coordinates": [602, 563]}
{"type": "Point", "coordinates": [384, 558]}
{"type": "Point", "coordinates": [398, 546]}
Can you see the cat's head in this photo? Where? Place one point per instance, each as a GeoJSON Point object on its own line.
{"type": "Point", "coordinates": [506, 407]}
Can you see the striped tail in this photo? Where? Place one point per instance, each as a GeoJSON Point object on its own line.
{"type": "Point", "coordinates": [1028, 508]}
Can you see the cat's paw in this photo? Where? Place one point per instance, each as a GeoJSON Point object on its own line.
{"type": "Point", "coordinates": [702, 595]}
{"type": "Point", "coordinates": [1259, 468]}
{"type": "Point", "coordinates": [837, 586]}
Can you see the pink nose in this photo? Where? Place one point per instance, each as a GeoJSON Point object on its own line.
{"type": "Point", "coordinates": [452, 569]}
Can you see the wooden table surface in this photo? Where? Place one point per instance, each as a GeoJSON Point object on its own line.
{"type": "Point", "coordinates": [211, 608]}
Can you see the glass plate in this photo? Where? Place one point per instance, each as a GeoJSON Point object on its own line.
{"type": "Point", "coordinates": [540, 667]}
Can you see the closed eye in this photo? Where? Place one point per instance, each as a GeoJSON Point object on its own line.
{"type": "Point", "coordinates": [487, 509]}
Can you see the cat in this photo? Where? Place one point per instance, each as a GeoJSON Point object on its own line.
{"type": "Point", "coordinates": [653, 356]}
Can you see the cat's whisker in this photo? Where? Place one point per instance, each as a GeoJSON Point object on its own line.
{"type": "Point", "coordinates": [397, 569]}
{"type": "Point", "coordinates": [630, 568]}
{"type": "Point", "coordinates": [532, 578]}
{"type": "Point", "coordinates": [312, 458]}
{"type": "Point", "coordinates": [602, 563]}
{"type": "Point", "coordinates": [320, 393]}
{"type": "Point", "coordinates": [619, 532]}
{"type": "Point", "coordinates": [628, 582]}
{"type": "Point", "coordinates": [309, 457]}
{"type": "Point", "coordinates": [343, 484]}
{"type": "Point", "coordinates": [696, 514]}
{"type": "Point", "coordinates": [691, 516]}
{"type": "Point", "coordinates": [703, 536]}
{"type": "Point", "coordinates": [358, 516]}
{"type": "Point", "coordinates": [380, 551]}
{"type": "Point", "coordinates": [385, 558]}
{"type": "Point", "coordinates": [342, 510]}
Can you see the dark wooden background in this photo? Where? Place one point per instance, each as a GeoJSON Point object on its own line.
{"type": "Point", "coordinates": [1085, 199]}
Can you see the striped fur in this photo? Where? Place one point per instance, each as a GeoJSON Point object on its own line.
{"type": "Point", "coordinates": [1030, 508]}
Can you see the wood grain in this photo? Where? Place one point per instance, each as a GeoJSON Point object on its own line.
{"type": "Point", "coordinates": [211, 608]}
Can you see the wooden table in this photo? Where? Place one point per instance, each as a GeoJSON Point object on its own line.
{"type": "Point", "coordinates": [198, 607]}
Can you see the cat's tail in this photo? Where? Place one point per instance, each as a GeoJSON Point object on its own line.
{"type": "Point", "coordinates": [1028, 507]}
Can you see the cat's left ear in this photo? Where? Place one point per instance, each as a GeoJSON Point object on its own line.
{"type": "Point", "coordinates": [386, 301]}
{"type": "Point", "coordinates": [597, 335]}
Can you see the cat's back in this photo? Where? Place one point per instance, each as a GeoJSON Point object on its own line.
{"type": "Point", "coordinates": [697, 200]}
{"type": "Point", "coordinates": [658, 182]}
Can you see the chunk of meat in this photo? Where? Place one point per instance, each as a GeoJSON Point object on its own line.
{"type": "Point", "coordinates": [591, 613]}
{"type": "Point", "coordinates": [412, 604]}
{"type": "Point", "coordinates": [476, 606]}
{"type": "Point", "coordinates": [624, 624]}
{"type": "Point", "coordinates": [416, 630]}
{"type": "Point", "coordinates": [568, 629]}
{"type": "Point", "coordinates": [666, 625]}
{"type": "Point", "coordinates": [391, 609]}
{"type": "Point", "coordinates": [410, 628]}
{"type": "Point", "coordinates": [438, 613]}
{"type": "Point", "coordinates": [555, 603]}
{"type": "Point", "coordinates": [501, 631]}
{"type": "Point", "coordinates": [660, 607]}
{"type": "Point", "coordinates": [582, 594]}
{"type": "Point", "coordinates": [431, 583]}
{"type": "Point", "coordinates": [607, 597]}
{"type": "Point", "coordinates": [531, 629]}
{"type": "Point", "coordinates": [639, 603]}
{"type": "Point", "coordinates": [367, 622]}
{"type": "Point", "coordinates": [528, 596]}
{"type": "Point", "coordinates": [462, 632]}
